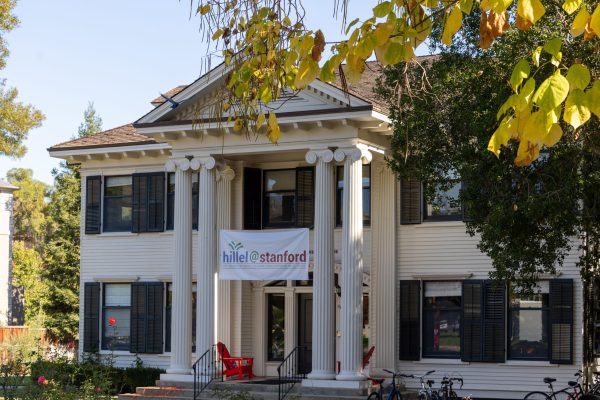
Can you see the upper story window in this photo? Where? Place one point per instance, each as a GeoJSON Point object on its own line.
{"type": "Point", "coordinates": [280, 198]}
{"type": "Point", "coordinates": [366, 192]}
{"type": "Point", "coordinates": [445, 204]}
{"type": "Point", "coordinates": [171, 201]}
{"type": "Point", "coordinates": [117, 203]}
{"type": "Point", "coordinates": [288, 198]}
{"type": "Point", "coordinates": [528, 325]}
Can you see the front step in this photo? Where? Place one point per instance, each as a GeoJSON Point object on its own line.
{"type": "Point", "coordinates": [258, 391]}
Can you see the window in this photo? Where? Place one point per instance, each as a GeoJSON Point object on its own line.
{"type": "Point", "coordinates": [168, 317]}
{"type": "Point", "coordinates": [441, 319]}
{"type": "Point", "coordinates": [280, 198]}
{"type": "Point", "coordinates": [366, 190]}
{"type": "Point", "coordinates": [528, 325]}
{"type": "Point", "coordinates": [445, 204]}
{"type": "Point", "coordinates": [116, 316]}
{"type": "Point", "coordinates": [275, 327]}
{"type": "Point", "coordinates": [117, 204]}
{"type": "Point", "coordinates": [171, 201]}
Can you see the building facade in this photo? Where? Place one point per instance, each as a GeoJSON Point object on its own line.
{"type": "Point", "coordinates": [387, 269]}
{"type": "Point", "coordinates": [6, 292]}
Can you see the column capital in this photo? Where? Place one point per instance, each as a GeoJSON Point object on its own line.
{"type": "Point", "coordinates": [207, 162]}
{"type": "Point", "coordinates": [313, 155]}
{"type": "Point", "coordinates": [177, 163]}
{"type": "Point", "coordinates": [226, 174]}
{"type": "Point", "coordinates": [355, 153]}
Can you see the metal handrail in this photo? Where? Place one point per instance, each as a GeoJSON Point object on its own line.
{"type": "Point", "coordinates": [206, 369]}
{"type": "Point", "coordinates": [289, 372]}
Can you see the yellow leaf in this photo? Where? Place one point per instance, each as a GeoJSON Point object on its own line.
{"type": "Point", "coordinates": [266, 95]}
{"type": "Point", "coordinates": [577, 112]}
{"type": "Point", "coordinates": [382, 9]}
{"type": "Point", "coordinates": [578, 76]}
{"type": "Point", "coordinates": [552, 47]}
{"type": "Point", "coordinates": [520, 72]}
{"type": "Point", "coordinates": [286, 21]}
{"type": "Point", "coordinates": [579, 23]}
{"type": "Point", "coordinates": [536, 127]}
{"type": "Point", "coordinates": [273, 130]}
{"type": "Point", "coordinates": [217, 34]}
{"type": "Point", "coordinates": [260, 120]}
{"type": "Point", "coordinates": [536, 56]}
{"type": "Point", "coordinates": [593, 98]}
{"type": "Point", "coordinates": [527, 91]}
{"type": "Point", "coordinates": [500, 137]}
{"type": "Point", "coordinates": [364, 47]}
{"type": "Point", "coordinates": [466, 6]}
{"type": "Point", "coordinates": [409, 54]}
{"type": "Point", "coordinates": [553, 136]}
{"type": "Point", "coordinates": [328, 70]}
{"type": "Point", "coordinates": [527, 153]}
{"type": "Point", "coordinates": [500, 6]}
{"type": "Point", "coordinates": [383, 32]}
{"type": "Point", "coordinates": [423, 30]}
{"type": "Point", "coordinates": [238, 124]}
{"type": "Point", "coordinates": [570, 6]}
{"type": "Point", "coordinates": [486, 5]}
{"type": "Point", "coordinates": [453, 24]}
{"type": "Point", "coordinates": [552, 92]}
{"type": "Point", "coordinates": [595, 21]}
{"type": "Point", "coordinates": [308, 70]}
{"type": "Point", "coordinates": [204, 9]}
{"type": "Point", "coordinates": [393, 53]}
{"type": "Point", "coordinates": [530, 10]}
{"type": "Point", "coordinates": [430, 3]}
{"type": "Point", "coordinates": [354, 68]}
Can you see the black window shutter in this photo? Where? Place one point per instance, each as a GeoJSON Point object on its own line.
{"type": "Point", "coordinates": [410, 202]}
{"type": "Point", "coordinates": [410, 320]}
{"type": "Point", "coordinates": [494, 322]}
{"type": "Point", "coordinates": [561, 321]}
{"type": "Point", "coordinates": [91, 317]}
{"type": "Point", "coordinates": [472, 330]}
{"type": "Point", "coordinates": [466, 216]}
{"type": "Point", "coordinates": [252, 198]}
{"type": "Point", "coordinates": [93, 198]}
{"type": "Point", "coordinates": [305, 197]}
{"type": "Point", "coordinates": [156, 202]}
{"type": "Point", "coordinates": [139, 203]}
{"type": "Point", "coordinates": [147, 317]}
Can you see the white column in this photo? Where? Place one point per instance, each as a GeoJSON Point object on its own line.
{"type": "Point", "coordinates": [352, 263]}
{"type": "Point", "coordinates": [181, 309]}
{"type": "Point", "coordinates": [224, 309]}
{"type": "Point", "coordinates": [323, 351]}
{"type": "Point", "coordinates": [383, 283]}
{"type": "Point", "coordinates": [207, 254]}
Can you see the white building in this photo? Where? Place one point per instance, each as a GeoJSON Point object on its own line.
{"type": "Point", "coordinates": [387, 269]}
{"type": "Point", "coordinates": [6, 209]}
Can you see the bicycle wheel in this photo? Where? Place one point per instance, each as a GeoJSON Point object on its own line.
{"type": "Point", "coordinates": [374, 396]}
{"type": "Point", "coordinates": [424, 397]}
{"type": "Point", "coordinates": [589, 396]}
{"type": "Point", "coordinates": [536, 396]}
{"type": "Point", "coordinates": [395, 396]}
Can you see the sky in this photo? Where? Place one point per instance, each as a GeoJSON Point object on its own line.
{"type": "Point", "coordinates": [117, 54]}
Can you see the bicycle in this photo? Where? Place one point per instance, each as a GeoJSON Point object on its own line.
{"type": "Point", "coordinates": [426, 391]}
{"type": "Point", "coordinates": [394, 393]}
{"type": "Point", "coordinates": [446, 391]}
{"type": "Point", "coordinates": [574, 391]}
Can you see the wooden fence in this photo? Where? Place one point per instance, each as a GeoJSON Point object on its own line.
{"type": "Point", "coordinates": [9, 332]}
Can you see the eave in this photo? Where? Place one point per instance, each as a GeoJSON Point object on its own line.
{"type": "Point", "coordinates": [108, 152]}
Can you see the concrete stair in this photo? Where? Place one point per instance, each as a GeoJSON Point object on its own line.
{"type": "Point", "coordinates": [258, 391]}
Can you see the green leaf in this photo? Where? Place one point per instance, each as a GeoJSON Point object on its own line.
{"type": "Point", "coordinates": [570, 6]}
{"type": "Point", "coordinates": [578, 76]}
{"type": "Point", "coordinates": [351, 24]}
{"type": "Point", "coordinates": [308, 70]}
{"type": "Point", "coordinates": [266, 95]}
{"type": "Point", "coordinates": [382, 9]}
{"type": "Point", "coordinates": [577, 111]}
{"type": "Point", "coordinates": [327, 71]}
{"type": "Point", "coordinates": [466, 6]}
{"type": "Point", "coordinates": [552, 47]}
{"type": "Point", "coordinates": [394, 52]}
{"type": "Point", "coordinates": [520, 72]}
{"type": "Point", "coordinates": [552, 92]}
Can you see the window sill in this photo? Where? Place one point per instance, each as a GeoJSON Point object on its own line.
{"type": "Point", "coordinates": [115, 234]}
{"type": "Point", "coordinates": [437, 224]}
{"type": "Point", "coordinates": [444, 361]}
{"type": "Point", "coordinates": [525, 363]}
{"type": "Point", "coordinates": [116, 353]}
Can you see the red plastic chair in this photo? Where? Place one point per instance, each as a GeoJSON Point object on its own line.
{"type": "Point", "coordinates": [365, 361]}
{"type": "Point", "coordinates": [235, 365]}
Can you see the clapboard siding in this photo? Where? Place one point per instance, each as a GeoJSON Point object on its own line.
{"type": "Point", "coordinates": [439, 248]}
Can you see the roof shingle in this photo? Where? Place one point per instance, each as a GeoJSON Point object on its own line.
{"type": "Point", "coordinates": [125, 135]}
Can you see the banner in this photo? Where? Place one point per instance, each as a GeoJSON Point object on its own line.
{"type": "Point", "coordinates": [263, 255]}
